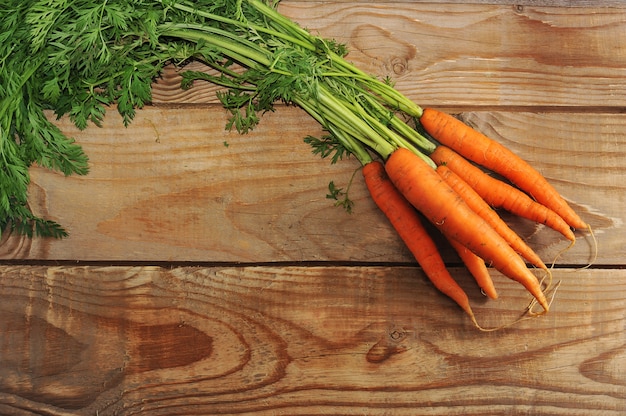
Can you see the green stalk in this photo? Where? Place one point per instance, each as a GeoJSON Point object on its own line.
{"type": "Point", "coordinates": [245, 52]}
{"type": "Point", "coordinates": [245, 25]}
{"type": "Point", "coordinates": [338, 109]}
{"type": "Point", "coordinates": [333, 121]}
{"type": "Point", "coordinates": [369, 130]}
{"type": "Point", "coordinates": [353, 145]}
{"type": "Point", "coordinates": [285, 23]}
{"type": "Point", "coordinates": [388, 94]}
{"type": "Point", "coordinates": [384, 132]}
{"type": "Point", "coordinates": [341, 114]}
{"type": "Point", "coordinates": [401, 127]}
{"type": "Point", "coordinates": [347, 140]}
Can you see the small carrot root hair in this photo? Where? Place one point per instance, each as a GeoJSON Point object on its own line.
{"type": "Point", "coordinates": [594, 255]}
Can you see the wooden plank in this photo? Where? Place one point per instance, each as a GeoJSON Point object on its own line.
{"type": "Point", "coordinates": [470, 54]}
{"type": "Point", "coordinates": [169, 189]}
{"type": "Point", "coordinates": [522, 3]}
{"type": "Point", "coordinates": [301, 340]}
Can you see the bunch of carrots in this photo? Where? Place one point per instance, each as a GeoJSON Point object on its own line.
{"type": "Point", "coordinates": [79, 58]}
{"type": "Point", "coordinates": [458, 198]}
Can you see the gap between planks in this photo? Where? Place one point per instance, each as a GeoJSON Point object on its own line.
{"type": "Point", "coordinates": [221, 264]}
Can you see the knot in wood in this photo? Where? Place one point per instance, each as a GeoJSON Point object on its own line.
{"type": "Point", "coordinates": [399, 65]}
{"type": "Point", "coordinates": [396, 335]}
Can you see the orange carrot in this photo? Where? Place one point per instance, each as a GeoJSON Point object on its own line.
{"type": "Point", "coordinates": [480, 149]}
{"type": "Point", "coordinates": [407, 223]}
{"type": "Point", "coordinates": [427, 191]}
{"type": "Point", "coordinates": [499, 194]}
{"type": "Point", "coordinates": [478, 204]}
{"type": "Point", "coordinates": [477, 268]}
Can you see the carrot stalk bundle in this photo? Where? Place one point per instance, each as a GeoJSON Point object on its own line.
{"type": "Point", "coordinates": [408, 225]}
{"type": "Point", "coordinates": [499, 194]}
{"type": "Point", "coordinates": [478, 148]}
{"type": "Point", "coordinates": [428, 192]}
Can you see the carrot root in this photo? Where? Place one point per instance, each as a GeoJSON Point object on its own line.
{"type": "Point", "coordinates": [428, 192]}
{"type": "Point", "coordinates": [499, 194]}
{"type": "Point", "coordinates": [480, 149]}
{"type": "Point", "coordinates": [479, 206]}
{"type": "Point", "coordinates": [407, 223]}
{"type": "Point", "coordinates": [477, 268]}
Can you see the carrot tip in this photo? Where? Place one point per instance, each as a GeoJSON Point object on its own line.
{"type": "Point", "coordinates": [491, 294]}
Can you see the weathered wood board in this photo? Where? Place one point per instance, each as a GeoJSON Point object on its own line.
{"type": "Point", "coordinates": [473, 55]}
{"type": "Point", "coordinates": [217, 278]}
{"type": "Point", "coordinates": [162, 193]}
{"type": "Point", "coordinates": [301, 340]}
{"type": "Point", "coordinates": [526, 70]}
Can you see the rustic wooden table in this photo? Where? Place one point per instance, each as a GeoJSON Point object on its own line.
{"type": "Point", "coordinates": [207, 273]}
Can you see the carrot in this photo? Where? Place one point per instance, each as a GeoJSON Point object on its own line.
{"type": "Point", "coordinates": [408, 225]}
{"type": "Point", "coordinates": [427, 191]}
{"type": "Point", "coordinates": [477, 268]}
{"type": "Point", "coordinates": [499, 194]}
{"type": "Point", "coordinates": [478, 204]}
{"type": "Point", "coordinates": [480, 149]}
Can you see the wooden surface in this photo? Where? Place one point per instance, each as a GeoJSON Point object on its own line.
{"type": "Point", "coordinates": [207, 273]}
{"type": "Point", "coordinates": [301, 340]}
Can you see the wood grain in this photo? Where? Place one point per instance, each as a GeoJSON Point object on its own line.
{"type": "Point", "coordinates": [469, 54]}
{"type": "Point", "coordinates": [301, 340]}
{"type": "Point", "coordinates": [542, 3]}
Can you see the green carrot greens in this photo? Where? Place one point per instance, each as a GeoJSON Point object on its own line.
{"type": "Point", "coordinates": [77, 58]}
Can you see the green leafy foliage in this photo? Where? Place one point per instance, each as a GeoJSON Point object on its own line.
{"type": "Point", "coordinates": [79, 57]}
{"type": "Point", "coordinates": [340, 197]}
{"type": "Point", "coordinates": [326, 146]}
